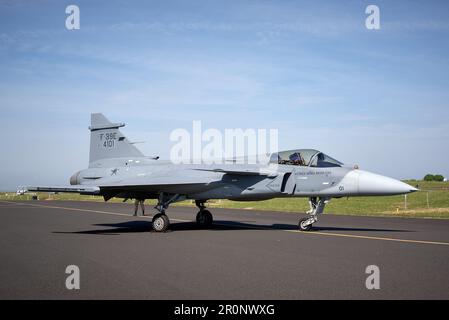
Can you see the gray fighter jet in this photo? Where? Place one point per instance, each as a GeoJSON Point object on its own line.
{"type": "Point", "coordinates": [118, 169]}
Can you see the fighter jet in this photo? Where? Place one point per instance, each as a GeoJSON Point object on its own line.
{"type": "Point", "coordinates": [118, 169]}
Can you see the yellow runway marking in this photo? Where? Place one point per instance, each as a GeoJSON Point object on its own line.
{"type": "Point", "coordinates": [93, 211]}
{"type": "Point", "coordinates": [10, 202]}
{"type": "Point", "coordinates": [368, 237]}
{"type": "Point", "coordinates": [250, 227]}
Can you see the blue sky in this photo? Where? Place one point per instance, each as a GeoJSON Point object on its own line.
{"type": "Point", "coordinates": [378, 98]}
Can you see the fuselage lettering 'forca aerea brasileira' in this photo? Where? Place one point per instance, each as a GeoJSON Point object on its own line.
{"type": "Point", "coordinates": [118, 169]}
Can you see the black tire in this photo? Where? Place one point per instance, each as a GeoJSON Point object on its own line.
{"type": "Point", "coordinates": [204, 218]}
{"type": "Point", "coordinates": [301, 225]}
{"type": "Point", "coordinates": [160, 222]}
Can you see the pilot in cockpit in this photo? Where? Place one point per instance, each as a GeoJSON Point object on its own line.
{"type": "Point", "coordinates": [296, 159]}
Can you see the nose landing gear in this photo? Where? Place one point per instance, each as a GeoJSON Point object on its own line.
{"type": "Point", "coordinates": [316, 207]}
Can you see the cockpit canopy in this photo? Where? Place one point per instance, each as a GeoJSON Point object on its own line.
{"type": "Point", "coordinates": [304, 157]}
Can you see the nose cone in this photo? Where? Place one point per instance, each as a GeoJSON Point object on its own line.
{"type": "Point", "coordinates": [371, 184]}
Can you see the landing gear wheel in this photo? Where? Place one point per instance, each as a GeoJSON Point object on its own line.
{"type": "Point", "coordinates": [302, 226]}
{"type": "Point", "coordinates": [204, 218]}
{"type": "Point", "coordinates": [160, 222]}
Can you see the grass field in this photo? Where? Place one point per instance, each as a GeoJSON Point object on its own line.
{"type": "Point", "coordinates": [432, 201]}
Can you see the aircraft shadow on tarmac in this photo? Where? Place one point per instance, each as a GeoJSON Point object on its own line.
{"type": "Point", "coordinates": [219, 225]}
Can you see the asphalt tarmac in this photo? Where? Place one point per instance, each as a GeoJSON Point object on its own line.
{"type": "Point", "coordinates": [244, 255]}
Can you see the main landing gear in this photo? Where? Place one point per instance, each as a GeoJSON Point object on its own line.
{"type": "Point", "coordinates": [316, 207]}
{"type": "Point", "coordinates": [160, 220]}
{"type": "Point", "coordinates": [203, 218]}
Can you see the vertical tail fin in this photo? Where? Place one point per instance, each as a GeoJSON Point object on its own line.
{"type": "Point", "coordinates": [106, 140]}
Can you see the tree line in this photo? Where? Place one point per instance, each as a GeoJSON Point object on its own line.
{"type": "Point", "coordinates": [433, 177]}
